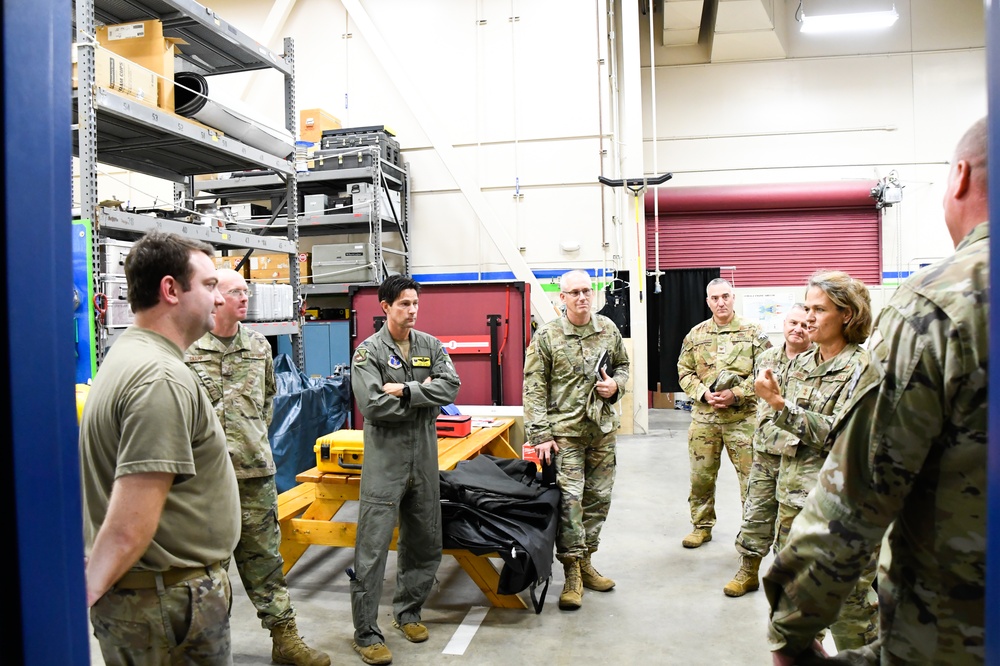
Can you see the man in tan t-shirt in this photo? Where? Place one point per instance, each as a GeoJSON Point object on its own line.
{"type": "Point", "coordinates": [161, 508]}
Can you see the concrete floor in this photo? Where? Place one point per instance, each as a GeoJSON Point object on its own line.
{"type": "Point", "coordinates": [667, 607]}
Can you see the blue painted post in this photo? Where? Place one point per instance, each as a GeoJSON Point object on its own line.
{"type": "Point", "coordinates": [40, 350]}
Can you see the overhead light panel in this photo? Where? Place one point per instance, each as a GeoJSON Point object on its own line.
{"type": "Point", "coordinates": [816, 21]}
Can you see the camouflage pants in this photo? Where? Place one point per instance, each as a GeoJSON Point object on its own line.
{"type": "Point", "coordinates": [186, 623]}
{"type": "Point", "coordinates": [585, 474]}
{"type": "Point", "coordinates": [857, 624]}
{"type": "Point", "coordinates": [257, 558]}
{"type": "Point", "coordinates": [705, 444]}
{"type": "Point", "coordinates": [760, 511]}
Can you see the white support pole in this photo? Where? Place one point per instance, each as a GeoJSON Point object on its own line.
{"type": "Point", "coordinates": [634, 250]}
{"type": "Point", "coordinates": [438, 136]}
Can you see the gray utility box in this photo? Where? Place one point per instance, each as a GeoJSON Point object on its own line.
{"type": "Point", "coordinates": [113, 253]}
{"type": "Point", "coordinates": [316, 204]}
{"type": "Point", "coordinates": [343, 263]}
{"type": "Point", "coordinates": [119, 313]}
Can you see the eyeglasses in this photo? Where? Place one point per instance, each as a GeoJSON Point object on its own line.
{"type": "Point", "coordinates": [577, 293]}
{"type": "Point", "coordinates": [238, 293]}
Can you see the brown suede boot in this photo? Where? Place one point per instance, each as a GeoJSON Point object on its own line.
{"type": "Point", "coordinates": [698, 536]}
{"type": "Point", "coordinates": [592, 579]}
{"type": "Point", "coordinates": [745, 579]}
{"type": "Point", "coordinates": [572, 594]}
{"type": "Point", "coordinates": [288, 647]}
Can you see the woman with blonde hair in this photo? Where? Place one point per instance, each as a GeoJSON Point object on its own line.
{"type": "Point", "coordinates": [817, 386]}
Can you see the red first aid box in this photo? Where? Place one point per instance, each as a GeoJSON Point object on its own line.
{"type": "Point", "coordinates": [454, 426]}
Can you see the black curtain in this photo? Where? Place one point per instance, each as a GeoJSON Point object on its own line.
{"type": "Point", "coordinates": [670, 316]}
{"type": "Point", "coordinates": [616, 303]}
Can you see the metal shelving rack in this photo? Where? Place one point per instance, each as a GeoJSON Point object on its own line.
{"type": "Point", "coordinates": [153, 141]}
{"type": "Point", "coordinates": [382, 175]}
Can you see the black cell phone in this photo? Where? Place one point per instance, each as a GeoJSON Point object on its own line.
{"type": "Point", "coordinates": [549, 471]}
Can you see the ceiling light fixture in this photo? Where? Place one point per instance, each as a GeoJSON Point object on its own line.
{"type": "Point", "coordinates": [849, 22]}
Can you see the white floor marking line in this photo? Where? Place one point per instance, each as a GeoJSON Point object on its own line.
{"type": "Point", "coordinates": [459, 642]}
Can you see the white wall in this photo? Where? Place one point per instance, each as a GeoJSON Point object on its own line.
{"type": "Point", "coordinates": [522, 101]}
{"type": "Point", "coordinates": [527, 101]}
{"type": "Point", "coordinates": [827, 112]}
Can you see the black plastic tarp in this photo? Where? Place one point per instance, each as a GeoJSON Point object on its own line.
{"type": "Point", "coordinates": [498, 505]}
{"type": "Point", "coordinates": [305, 408]}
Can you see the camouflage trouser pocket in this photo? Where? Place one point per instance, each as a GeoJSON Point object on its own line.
{"type": "Point", "coordinates": [120, 633]}
{"type": "Point", "coordinates": [186, 623]}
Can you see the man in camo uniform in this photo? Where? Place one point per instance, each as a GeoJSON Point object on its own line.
{"type": "Point", "coordinates": [568, 418]}
{"type": "Point", "coordinates": [761, 508]}
{"type": "Point", "coordinates": [812, 393]}
{"type": "Point", "coordinates": [910, 451]}
{"type": "Point", "coordinates": [234, 366]}
{"type": "Point", "coordinates": [716, 369]}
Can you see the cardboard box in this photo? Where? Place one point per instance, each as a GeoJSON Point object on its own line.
{"type": "Point", "coordinates": [121, 75]}
{"type": "Point", "coordinates": [312, 122]}
{"type": "Point", "coordinates": [231, 263]}
{"type": "Point", "coordinates": [274, 267]}
{"type": "Point", "coordinates": [143, 43]}
{"type": "Point", "coordinates": [662, 400]}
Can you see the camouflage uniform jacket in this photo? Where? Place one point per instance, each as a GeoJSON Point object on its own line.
{"type": "Point", "coordinates": [814, 394]}
{"type": "Point", "coordinates": [909, 450]}
{"type": "Point", "coordinates": [559, 378]}
{"type": "Point", "coordinates": [709, 350]}
{"type": "Point", "coordinates": [769, 438]}
{"type": "Point", "coordinates": [240, 382]}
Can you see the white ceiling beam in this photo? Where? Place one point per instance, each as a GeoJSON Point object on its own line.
{"type": "Point", "coordinates": [441, 142]}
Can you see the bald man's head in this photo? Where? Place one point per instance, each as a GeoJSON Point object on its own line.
{"type": "Point", "coordinates": [229, 279]}
{"type": "Point", "coordinates": [234, 290]}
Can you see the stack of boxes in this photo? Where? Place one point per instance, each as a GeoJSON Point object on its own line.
{"type": "Point", "coordinates": [354, 147]}
{"type": "Point", "coordinates": [275, 267]}
{"type": "Point", "coordinates": [271, 298]}
{"type": "Point", "coordinates": [270, 302]}
{"type": "Point", "coordinates": [136, 60]}
{"type": "Point", "coordinates": [118, 314]}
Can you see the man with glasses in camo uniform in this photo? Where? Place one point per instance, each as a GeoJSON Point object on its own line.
{"type": "Point", "coordinates": [235, 367]}
{"type": "Point", "coordinates": [569, 419]}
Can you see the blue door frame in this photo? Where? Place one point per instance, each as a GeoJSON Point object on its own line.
{"type": "Point", "coordinates": [993, 492]}
{"type": "Point", "coordinates": [40, 336]}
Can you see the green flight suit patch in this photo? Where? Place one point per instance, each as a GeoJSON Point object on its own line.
{"type": "Point", "coordinates": [360, 356]}
{"type": "Point", "coordinates": [421, 361]}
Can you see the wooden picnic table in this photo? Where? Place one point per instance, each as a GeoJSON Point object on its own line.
{"type": "Point", "coordinates": [306, 512]}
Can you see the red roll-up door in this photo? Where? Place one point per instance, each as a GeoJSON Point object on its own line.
{"type": "Point", "coordinates": [772, 235]}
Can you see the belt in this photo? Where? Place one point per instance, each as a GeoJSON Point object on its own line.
{"type": "Point", "coordinates": [147, 580]}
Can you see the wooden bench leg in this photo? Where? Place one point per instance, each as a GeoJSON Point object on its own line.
{"type": "Point", "coordinates": [290, 550]}
{"type": "Point", "coordinates": [486, 577]}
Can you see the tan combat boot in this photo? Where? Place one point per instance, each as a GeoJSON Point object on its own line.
{"type": "Point", "coordinates": [288, 647]}
{"type": "Point", "coordinates": [745, 579]}
{"type": "Point", "coordinates": [572, 594]}
{"type": "Point", "coordinates": [592, 579]}
{"type": "Point", "coordinates": [697, 537]}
